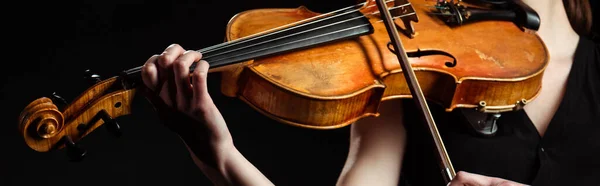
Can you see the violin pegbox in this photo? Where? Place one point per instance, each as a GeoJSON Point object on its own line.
{"type": "Point", "coordinates": [45, 127]}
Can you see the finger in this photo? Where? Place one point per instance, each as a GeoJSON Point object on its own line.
{"type": "Point", "coordinates": [171, 53]}
{"type": "Point", "coordinates": [165, 60]}
{"type": "Point", "coordinates": [199, 84]}
{"type": "Point", "coordinates": [165, 73]}
{"type": "Point", "coordinates": [464, 178]}
{"type": "Point", "coordinates": [166, 93]}
{"type": "Point", "coordinates": [150, 73]}
{"type": "Point", "coordinates": [181, 68]}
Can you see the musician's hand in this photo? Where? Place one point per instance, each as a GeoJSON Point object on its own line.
{"type": "Point", "coordinates": [469, 179]}
{"type": "Point", "coordinates": [184, 107]}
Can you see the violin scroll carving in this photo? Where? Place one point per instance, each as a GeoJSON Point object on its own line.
{"type": "Point", "coordinates": [41, 119]}
{"type": "Point", "coordinates": [44, 126]}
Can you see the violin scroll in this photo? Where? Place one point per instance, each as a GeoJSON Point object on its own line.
{"type": "Point", "coordinates": [46, 127]}
{"type": "Point", "coordinates": [41, 119]}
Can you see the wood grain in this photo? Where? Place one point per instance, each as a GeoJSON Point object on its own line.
{"type": "Point", "coordinates": [332, 85]}
{"type": "Point", "coordinates": [497, 63]}
{"type": "Point", "coordinates": [43, 125]}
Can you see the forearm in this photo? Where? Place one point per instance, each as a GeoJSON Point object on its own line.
{"type": "Point", "coordinates": [229, 167]}
{"type": "Point", "coordinates": [376, 148]}
{"type": "Point", "coordinates": [375, 157]}
{"type": "Point", "coordinates": [186, 108]}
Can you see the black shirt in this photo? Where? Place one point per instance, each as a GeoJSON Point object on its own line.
{"type": "Point", "coordinates": [568, 154]}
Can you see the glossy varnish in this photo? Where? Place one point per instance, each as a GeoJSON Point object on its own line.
{"type": "Point", "coordinates": [499, 68]}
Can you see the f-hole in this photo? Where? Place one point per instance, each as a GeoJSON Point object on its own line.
{"type": "Point", "coordinates": [421, 53]}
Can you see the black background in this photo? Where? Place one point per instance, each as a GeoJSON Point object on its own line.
{"type": "Point", "coordinates": [50, 44]}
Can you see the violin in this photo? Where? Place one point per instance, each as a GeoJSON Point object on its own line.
{"type": "Point", "coordinates": [327, 70]}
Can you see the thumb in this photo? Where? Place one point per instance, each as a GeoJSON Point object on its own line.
{"type": "Point", "coordinates": [165, 113]}
{"type": "Point", "coordinates": [153, 98]}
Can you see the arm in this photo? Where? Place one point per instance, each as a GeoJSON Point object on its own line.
{"type": "Point", "coordinates": [184, 106]}
{"type": "Point", "coordinates": [376, 148]}
{"type": "Point", "coordinates": [232, 168]}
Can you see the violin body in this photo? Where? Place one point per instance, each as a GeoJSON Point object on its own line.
{"type": "Point", "coordinates": [499, 68]}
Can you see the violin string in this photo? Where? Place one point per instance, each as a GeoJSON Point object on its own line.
{"type": "Point", "coordinates": [262, 36]}
{"type": "Point", "coordinates": [270, 31]}
{"type": "Point", "coordinates": [284, 44]}
{"type": "Point", "coordinates": [287, 27]}
{"type": "Point", "coordinates": [138, 69]}
{"type": "Point", "coordinates": [400, 16]}
{"type": "Point", "coordinates": [321, 35]}
{"type": "Point", "coordinates": [245, 39]}
{"type": "Point", "coordinates": [392, 8]}
{"type": "Point", "coordinates": [273, 30]}
{"type": "Point", "coordinates": [296, 33]}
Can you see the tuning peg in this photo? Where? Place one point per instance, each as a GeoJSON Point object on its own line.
{"type": "Point", "coordinates": [111, 124]}
{"type": "Point", "coordinates": [74, 152]}
{"type": "Point", "coordinates": [58, 100]}
{"type": "Point", "coordinates": [91, 77]}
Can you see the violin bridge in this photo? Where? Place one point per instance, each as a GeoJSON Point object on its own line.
{"type": "Point", "coordinates": [406, 13]}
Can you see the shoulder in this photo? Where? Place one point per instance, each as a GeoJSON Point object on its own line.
{"type": "Point", "coordinates": [586, 71]}
{"type": "Point", "coordinates": [588, 51]}
{"type": "Point", "coordinates": [591, 42]}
